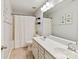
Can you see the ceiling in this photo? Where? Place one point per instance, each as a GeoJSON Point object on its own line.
{"type": "Point", "coordinates": [25, 7]}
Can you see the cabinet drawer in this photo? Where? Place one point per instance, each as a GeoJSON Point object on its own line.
{"type": "Point", "coordinates": [48, 56]}
{"type": "Point", "coordinates": [35, 51]}
{"type": "Point", "coordinates": [35, 44]}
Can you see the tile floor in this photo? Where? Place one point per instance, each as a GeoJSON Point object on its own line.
{"type": "Point", "coordinates": [21, 53]}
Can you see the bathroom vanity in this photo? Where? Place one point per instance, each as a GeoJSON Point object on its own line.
{"type": "Point", "coordinates": [46, 48]}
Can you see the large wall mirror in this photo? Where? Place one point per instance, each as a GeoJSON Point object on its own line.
{"type": "Point", "coordinates": [64, 19]}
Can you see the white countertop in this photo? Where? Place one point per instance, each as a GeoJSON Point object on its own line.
{"type": "Point", "coordinates": [58, 50]}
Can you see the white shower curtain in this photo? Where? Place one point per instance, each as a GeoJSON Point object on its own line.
{"type": "Point", "coordinates": [24, 30]}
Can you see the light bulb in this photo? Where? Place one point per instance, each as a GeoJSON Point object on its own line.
{"type": "Point", "coordinates": [47, 3]}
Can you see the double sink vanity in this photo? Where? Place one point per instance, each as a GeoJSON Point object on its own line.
{"type": "Point", "coordinates": [52, 47]}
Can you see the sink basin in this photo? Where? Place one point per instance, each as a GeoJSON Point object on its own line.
{"type": "Point", "coordinates": [69, 54]}
{"type": "Point", "coordinates": [43, 38]}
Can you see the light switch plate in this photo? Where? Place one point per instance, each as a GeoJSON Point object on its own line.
{"type": "Point", "coordinates": [68, 18]}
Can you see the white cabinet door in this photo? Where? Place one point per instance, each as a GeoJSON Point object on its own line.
{"type": "Point", "coordinates": [48, 56]}
{"type": "Point", "coordinates": [35, 50]}
{"type": "Point", "coordinates": [41, 53]}
{"type": "Point", "coordinates": [36, 53]}
{"type": "Point", "coordinates": [41, 56]}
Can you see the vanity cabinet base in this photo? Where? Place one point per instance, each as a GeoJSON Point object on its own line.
{"type": "Point", "coordinates": [39, 52]}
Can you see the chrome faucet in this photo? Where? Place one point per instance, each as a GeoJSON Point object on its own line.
{"type": "Point", "coordinates": [72, 47]}
{"type": "Point", "coordinates": [45, 37]}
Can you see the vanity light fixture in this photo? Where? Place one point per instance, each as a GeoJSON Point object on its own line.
{"type": "Point", "coordinates": [49, 4]}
